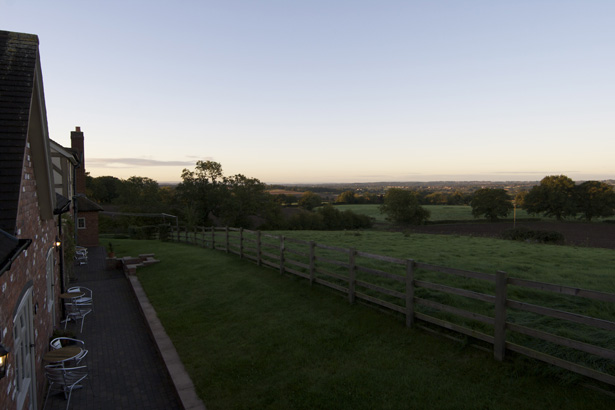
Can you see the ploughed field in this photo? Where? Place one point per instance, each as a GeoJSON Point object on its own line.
{"type": "Point", "coordinates": [594, 235]}
{"type": "Point", "coordinates": [458, 220]}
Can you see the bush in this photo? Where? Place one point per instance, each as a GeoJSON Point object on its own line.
{"type": "Point", "coordinates": [536, 236]}
{"type": "Point", "coordinates": [164, 232]}
{"type": "Point", "coordinates": [329, 218]}
{"type": "Point", "coordinates": [143, 232]}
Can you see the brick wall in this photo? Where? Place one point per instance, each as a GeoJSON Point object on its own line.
{"type": "Point", "coordinates": [29, 269]}
{"type": "Point", "coordinates": [88, 236]}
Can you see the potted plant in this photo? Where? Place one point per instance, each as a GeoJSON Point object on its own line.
{"type": "Point", "coordinates": [110, 253]}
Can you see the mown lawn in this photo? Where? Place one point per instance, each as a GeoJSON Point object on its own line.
{"type": "Point", "coordinates": [253, 339]}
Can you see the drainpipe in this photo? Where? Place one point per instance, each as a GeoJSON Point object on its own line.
{"type": "Point", "coordinates": [75, 206]}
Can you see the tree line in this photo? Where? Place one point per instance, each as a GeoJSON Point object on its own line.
{"type": "Point", "coordinates": [206, 196]}
{"type": "Point", "coordinates": [556, 196]}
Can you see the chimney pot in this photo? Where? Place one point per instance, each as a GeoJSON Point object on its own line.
{"type": "Point", "coordinates": [78, 129]}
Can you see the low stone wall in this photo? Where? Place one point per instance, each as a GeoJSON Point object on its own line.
{"type": "Point", "coordinates": [129, 264]}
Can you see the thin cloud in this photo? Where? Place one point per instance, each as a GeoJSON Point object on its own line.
{"type": "Point", "coordinates": [133, 162]}
{"type": "Point", "coordinates": [532, 172]}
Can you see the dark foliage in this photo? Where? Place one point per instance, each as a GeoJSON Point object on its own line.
{"type": "Point", "coordinates": [533, 236]}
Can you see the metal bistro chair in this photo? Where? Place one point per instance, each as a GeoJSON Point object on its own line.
{"type": "Point", "coordinates": [74, 311]}
{"type": "Point", "coordinates": [64, 379]}
{"type": "Point", "coordinates": [81, 255]}
{"type": "Point", "coordinates": [86, 300]}
{"type": "Point", "coordinates": [60, 342]}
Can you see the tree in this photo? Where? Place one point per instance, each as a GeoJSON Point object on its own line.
{"type": "Point", "coordinates": [140, 194]}
{"type": "Point", "coordinates": [402, 206]}
{"type": "Point", "coordinates": [595, 199]}
{"type": "Point", "coordinates": [346, 197]}
{"type": "Point", "coordinates": [493, 203]}
{"type": "Point", "coordinates": [555, 196]}
{"type": "Point", "coordinates": [105, 189]}
{"type": "Point", "coordinates": [310, 200]}
{"type": "Point", "coordinates": [202, 189]}
{"type": "Point", "coordinates": [245, 197]}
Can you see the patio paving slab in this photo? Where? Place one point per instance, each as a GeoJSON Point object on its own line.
{"type": "Point", "coordinates": [127, 371]}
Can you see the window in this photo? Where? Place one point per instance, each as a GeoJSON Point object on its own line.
{"type": "Point", "coordinates": [80, 223]}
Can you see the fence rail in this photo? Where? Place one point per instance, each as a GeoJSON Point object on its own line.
{"type": "Point", "coordinates": [494, 308]}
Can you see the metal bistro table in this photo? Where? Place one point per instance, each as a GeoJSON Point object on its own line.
{"type": "Point", "coordinates": [71, 295]}
{"type": "Point", "coordinates": [62, 354]}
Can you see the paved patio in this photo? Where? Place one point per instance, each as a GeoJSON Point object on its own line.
{"type": "Point", "coordinates": [127, 353]}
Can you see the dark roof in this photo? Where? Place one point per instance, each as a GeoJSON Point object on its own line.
{"type": "Point", "coordinates": [10, 248]}
{"type": "Point", "coordinates": [18, 58]}
{"type": "Point", "coordinates": [86, 205]}
{"type": "Point", "coordinates": [62, 204]}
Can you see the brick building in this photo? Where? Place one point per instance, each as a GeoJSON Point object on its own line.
{"type": "Point", "coordinates": [30, 280]}
{"type": "Point", "coordinates": [86, 211]}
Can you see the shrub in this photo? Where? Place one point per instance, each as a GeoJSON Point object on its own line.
{"type": "Point", "coordinates": [164, 232]}
{"type": "Point", "coordinates": [529, 235]}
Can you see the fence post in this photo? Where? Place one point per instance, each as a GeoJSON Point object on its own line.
{"type": "Point", "coordinates": [213, 238]}
{"type": "Point", "coordinates": [203, 241]}
{"type": "Point", "coordinates": [226, 234]}
{"type": "Point", "coordinates": [352, 275]}
{"type": "Point", "coordinates": [195, 241]}
{"type": "Point", "coordinates": [259, 261]}
{"type": "Point", "coordinates": [409, 292]}
{"type": "Point", "coordinates": [312, 261]}
{"type": "Point", "coordinates": [241, 243]}
{"type": "Point", "coordinates": [281, 254]}
{"type": "Point", "coordinates": [499, 342]}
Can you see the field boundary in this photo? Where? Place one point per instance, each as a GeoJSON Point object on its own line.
{"type": "Point", "coordinates": [478, 305]}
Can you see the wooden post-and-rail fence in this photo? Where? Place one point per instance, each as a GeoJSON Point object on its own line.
{"type": "Point", "coordinates": [478, 305]}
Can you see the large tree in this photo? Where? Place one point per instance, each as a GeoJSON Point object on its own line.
{"type": "Point", "coordinates": [346, 197]}
{"type": "Point", "coordinates": [246, 197]}
{"type": "Point", "coordinates": [402, 206]}
{"type": "Point", "coordinates": [595, 199]}
{"type": "Point", "coordinates": [104, 190]}
{"type": "Point", "coordinates": [309, 200]}
{"type": "Point", "coordinates": [140, 194]}
{"type": "Point", "coordinates": [555, 196]}
{"type": "Point", "coordinates": [206, 192]}
{"type": "Point", "coordinates": [493, 203]}
{"type": "Point", "coordinates": [202, 190]}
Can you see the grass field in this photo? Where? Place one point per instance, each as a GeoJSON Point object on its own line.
{"type": "Point", "coordinates": [572, 266]}
{"type": "Point", "coordinates": [253, 339]}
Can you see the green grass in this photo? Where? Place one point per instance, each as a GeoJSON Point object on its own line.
{"type": "Point", "coordinates": [253, 339]}
{"type": "Point", "coordinates": [590, 268]}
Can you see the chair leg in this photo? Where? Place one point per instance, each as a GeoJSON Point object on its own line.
{"type": "Point", "coordinates": [47, 396]}
{"type": "Point", "coordinates": [70, 391]}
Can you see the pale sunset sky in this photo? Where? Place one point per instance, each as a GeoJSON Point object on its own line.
{"type": "Point", "coordinates": [312, 91]}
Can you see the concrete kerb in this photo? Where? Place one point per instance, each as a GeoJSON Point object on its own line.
{"type": "Point", "coordinates": [181, 380]}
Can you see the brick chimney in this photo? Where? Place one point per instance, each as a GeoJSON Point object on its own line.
{"type": "Point", "coordinates": [76, 143]}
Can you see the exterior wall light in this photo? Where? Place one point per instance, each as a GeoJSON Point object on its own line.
{"type": "Point", "coordinates": [57, 243]}
{"type": "Point", "coordinates": [4, 353]}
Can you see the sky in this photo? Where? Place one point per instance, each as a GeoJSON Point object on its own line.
{"type": "Point", "coordinates": [315, 91]}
